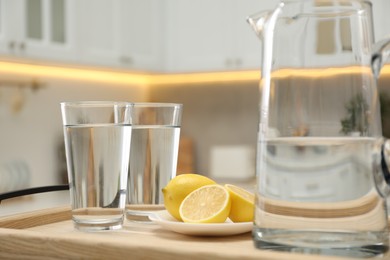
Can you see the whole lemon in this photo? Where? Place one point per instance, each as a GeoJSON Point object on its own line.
{"type": "Point", "coordinates": [179, 187]}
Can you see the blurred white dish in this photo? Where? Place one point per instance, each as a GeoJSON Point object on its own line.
{"type": "Point", "coordinates": [165, 220]}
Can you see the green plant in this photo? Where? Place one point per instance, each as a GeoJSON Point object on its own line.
{"type": "Point", "coordinates": [385, 113]}
{"type": "Point", "coordinates": [357, 119]}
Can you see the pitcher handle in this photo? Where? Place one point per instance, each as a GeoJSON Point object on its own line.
{"type": "Point", "coordinates": [380, 54]}
{"type": "Point", "coordinates": [382, 169]}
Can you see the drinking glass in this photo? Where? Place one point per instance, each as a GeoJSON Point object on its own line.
{"type": "Point", "coordinates": [153, 157]}
{"type": "Point", "coordinates": [97, 143]}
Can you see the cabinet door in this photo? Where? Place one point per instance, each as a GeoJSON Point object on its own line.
{"type": "Point", "coordinates": [2, 37]}
{"type": "Point", "coordinates": [10, 26]}
{"type": "Point", "coordinates": [120, 33]}
{"type": "Point", "coordinates": [3, 43]}
{"type": "Point", "coordinates": [46, 29]}
{"type": "Point", "coordinates": [142, 34]}
{"type": "Point", "coordinates": [98, 32]}
{"type": "Point", "coordinates": [247, 44]}
{"type": "Point", "coordinates": [200, 35]}
{"type": "Point", "coordinates": [36, 28]}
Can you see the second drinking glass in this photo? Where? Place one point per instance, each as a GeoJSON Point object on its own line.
{"type": "Point", "coordinates": [153, 156]}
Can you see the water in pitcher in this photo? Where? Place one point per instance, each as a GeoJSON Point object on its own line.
{"type": "Point", "coordinates": [95, 155]}
{"type": "Point", "coordinates": [153, 162]}
{"type": "Point", "coordinates": [302, 186]}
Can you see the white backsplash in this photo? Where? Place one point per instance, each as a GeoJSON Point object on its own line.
{"type": "Point", "coordinates": [33, 133]}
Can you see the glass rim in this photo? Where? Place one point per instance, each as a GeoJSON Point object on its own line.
{"type": "Point", "coordinates": [338, 3]}
{"type": "Point", "coordinates": [327, 1]}
{"type": "Point", "coordinates": [105, 102]}
{"type": "Point", "coordinates": [156, 104]}
{"type": "Point", "coordinates": [95, 103]}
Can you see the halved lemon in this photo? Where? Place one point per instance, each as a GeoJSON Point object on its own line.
{"type": "Point", "coordinates": [179, 187]}
{"type": "Point", "coordinates": [242, 208]}
{"type": "Point", "coordinates": [208, 204]}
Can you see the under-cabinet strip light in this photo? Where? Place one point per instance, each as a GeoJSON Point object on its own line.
{"type": "Point", "coordinates": [129, 78]}
{"type": "Point", "coordinates": [122, 77]}
{"type": "Point", "coordinates": [34, 70]}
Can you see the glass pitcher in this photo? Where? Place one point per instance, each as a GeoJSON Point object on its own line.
{"type": "Point", "coordinates": [322, 174]}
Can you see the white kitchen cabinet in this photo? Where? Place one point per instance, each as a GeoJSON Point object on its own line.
{"type": "Point", "coordinates": [120, 33]}
{"type": "Point", "coordinates": [2, 12]}
{"type": "Point", "coordinates": [199, 35]}
{"type": "Point", "coordinates": [36, 29]}
{"type": "Point", "coordinates": [152, 35]}
{"type": "Point", "coordinates": [97, 32]}
{"type": "Point", "coordinates": [142, 30]}
{"type": "Point", "coordinates": [169, 35]}
{"type": "Point", "coordinates": [213, 35]}
{"type": "Point", "coordinates": [380, 10]}
{"type": "Point", "coordinates": [247, 45]}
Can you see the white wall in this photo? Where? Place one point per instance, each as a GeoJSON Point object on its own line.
{"type": "Point", "coordinates": [216, 116]}
{"type": "Point", "coordinates": [34, 134]}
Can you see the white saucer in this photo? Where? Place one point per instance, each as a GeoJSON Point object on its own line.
{"type": "Point", "coordinates": [165, 220]}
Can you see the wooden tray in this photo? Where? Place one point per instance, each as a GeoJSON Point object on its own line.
{"type": "Point", "coordinates": [50, 234]}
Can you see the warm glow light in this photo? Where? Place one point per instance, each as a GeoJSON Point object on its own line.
{"type": "Point", "coordinates": [8, 68]}
{"type": "Point", "coordinates": [120, 77]}
{"type": "Point", "coordinates": [385, 69]}
{"type": "Point", "coordinates": [71, 73]}
{"type": "Point", "coordinates": [209, 77]}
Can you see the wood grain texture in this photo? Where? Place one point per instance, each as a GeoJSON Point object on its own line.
{"type": "Point", "coordinates": [36, 218]}
{"type": "Point", "coordinates": [185, 161]}
{"type": "Point", "coordinates": [341, 209]}
{"type": "Point", "coordinates": [49, 234]}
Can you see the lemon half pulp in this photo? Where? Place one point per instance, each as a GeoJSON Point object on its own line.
{"type": "Point", "coordinates": [179, 187]}
{"type": "Point", "coordinates": [208, 204]}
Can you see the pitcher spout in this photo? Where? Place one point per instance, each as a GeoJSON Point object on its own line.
{"type": "Point", "coordinates": [257, 22]}
{"type": "Point", "coordinates": [261, 20]}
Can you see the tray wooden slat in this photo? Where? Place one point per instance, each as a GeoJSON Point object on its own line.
{"type": "Point", "coordinates": [36, 218]}
{"type": "Point", "coordinates": [49, 234]}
